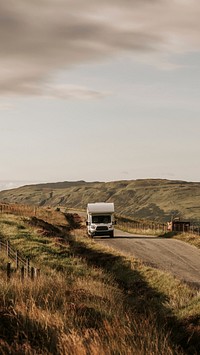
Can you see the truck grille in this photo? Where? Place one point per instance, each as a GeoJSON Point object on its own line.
{"type": "Point", "coordinates": [102, 228]}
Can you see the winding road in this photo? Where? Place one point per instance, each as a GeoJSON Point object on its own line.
{"type": "Point", "coordinates": [177, 257]}
{"type": "Point", "coordinates": [174, 256]}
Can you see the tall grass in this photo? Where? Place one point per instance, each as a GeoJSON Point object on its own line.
{"type": "Point", "coordinates": [54, 316]}
{"type": "Point", "coordinates": [88, 300]}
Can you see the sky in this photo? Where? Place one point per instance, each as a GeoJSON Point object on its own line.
{"type": "Point", "coordinates": [99, 90]}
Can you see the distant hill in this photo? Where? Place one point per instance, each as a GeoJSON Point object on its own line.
{"type": "Point", "coordinates": [153, 199]}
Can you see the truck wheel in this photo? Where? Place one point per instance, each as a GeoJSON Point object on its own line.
{"type": "Point", "coordinates": [112, 234]}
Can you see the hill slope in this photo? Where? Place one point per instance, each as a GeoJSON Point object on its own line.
{"type": "Point", "coordinates": [148, 198]}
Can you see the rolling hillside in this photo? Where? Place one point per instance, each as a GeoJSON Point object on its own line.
{"type": "Point", "coordinates": [153, 199]}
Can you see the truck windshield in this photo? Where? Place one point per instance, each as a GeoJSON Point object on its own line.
{"type": "Point", "coordinates": [101, 219]}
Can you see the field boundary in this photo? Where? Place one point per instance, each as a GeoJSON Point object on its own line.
{"type": "Point", "coordinates": [20, 262]}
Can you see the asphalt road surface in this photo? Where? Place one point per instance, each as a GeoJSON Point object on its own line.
{"type": "Point", "coordinates": [174, 256]}
{"type": "Point", "coordinates": [179, 258]}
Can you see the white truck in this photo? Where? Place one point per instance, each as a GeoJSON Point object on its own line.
{"type": "Point", "coordinates": [100, 219]}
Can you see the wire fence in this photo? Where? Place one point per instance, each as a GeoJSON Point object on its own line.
{"type": "Point", "coordinates": [148, 227]}
{"type": "Point", "coordinates": [18, 209]}
{"type": "Point", "coordinates": [127, 224]}
{"type": "Point", "coordinates": [49, 214]}
{"type": "Point", "coordinates": [20, 262]}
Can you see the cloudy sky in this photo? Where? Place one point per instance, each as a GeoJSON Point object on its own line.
{"type": "Point", "coordinates": [99, 90]}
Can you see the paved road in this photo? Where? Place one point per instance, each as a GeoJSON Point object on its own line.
{"type": "Point", "coordinates": [174, 256]}
{"type": "Point", "coordinates": [179, 258]}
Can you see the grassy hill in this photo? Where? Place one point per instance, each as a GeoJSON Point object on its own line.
{"type": "Point", "coordinates": [154, 199]}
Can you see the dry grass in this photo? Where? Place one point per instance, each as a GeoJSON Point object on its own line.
{"type": "Point", "coordinates": [89, 300]}
{"type": "Point", "coordinates": [51, 316]}
{"type": "Point", "coordinates": [139, 231]}
{"type": "Point", "coordinates": [192, 239]}
{"type": "Point", "coordinates": [48, 214]}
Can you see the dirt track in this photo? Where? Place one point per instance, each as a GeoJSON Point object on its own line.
{"type": "Point", "coordinates": [174, 256]}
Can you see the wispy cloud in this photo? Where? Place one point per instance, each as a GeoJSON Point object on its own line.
{"type": "Point", "coordinates": [53, 91]}
{"type": "Point", "coordinates": [38, 38]}
{"type": "Point", "coordinates": [66, 92]}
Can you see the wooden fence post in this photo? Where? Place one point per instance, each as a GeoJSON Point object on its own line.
{"type": "Point", "coordinates": [8, 271]}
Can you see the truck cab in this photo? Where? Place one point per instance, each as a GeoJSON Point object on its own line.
{"type": "Point", "coordinates": [100, 219]}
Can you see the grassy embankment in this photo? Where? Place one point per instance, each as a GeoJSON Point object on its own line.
{"type": "Point", "coordinates": [89, 299]}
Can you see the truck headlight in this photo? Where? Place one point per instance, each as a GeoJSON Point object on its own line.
{"type": "Point", "coordinates": [110, 226]}
{"type": "Point", "coordinates": [93, 226]}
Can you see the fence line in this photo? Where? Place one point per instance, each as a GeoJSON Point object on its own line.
{"type": "Point", "coordinates": [155, 227]}
{"type": "Point", "coordinates": [12, 253]}
{"type": "Point", "coordinates": [34, 272]}
{"type": "Point", "coordinates": [49, 214]}
{"type": "Point", "coordinates": [19, 260]}
{"type": "Point", "coordinates": [128, 224]}
{"type": "Point", "coordinates": [18, 209]}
